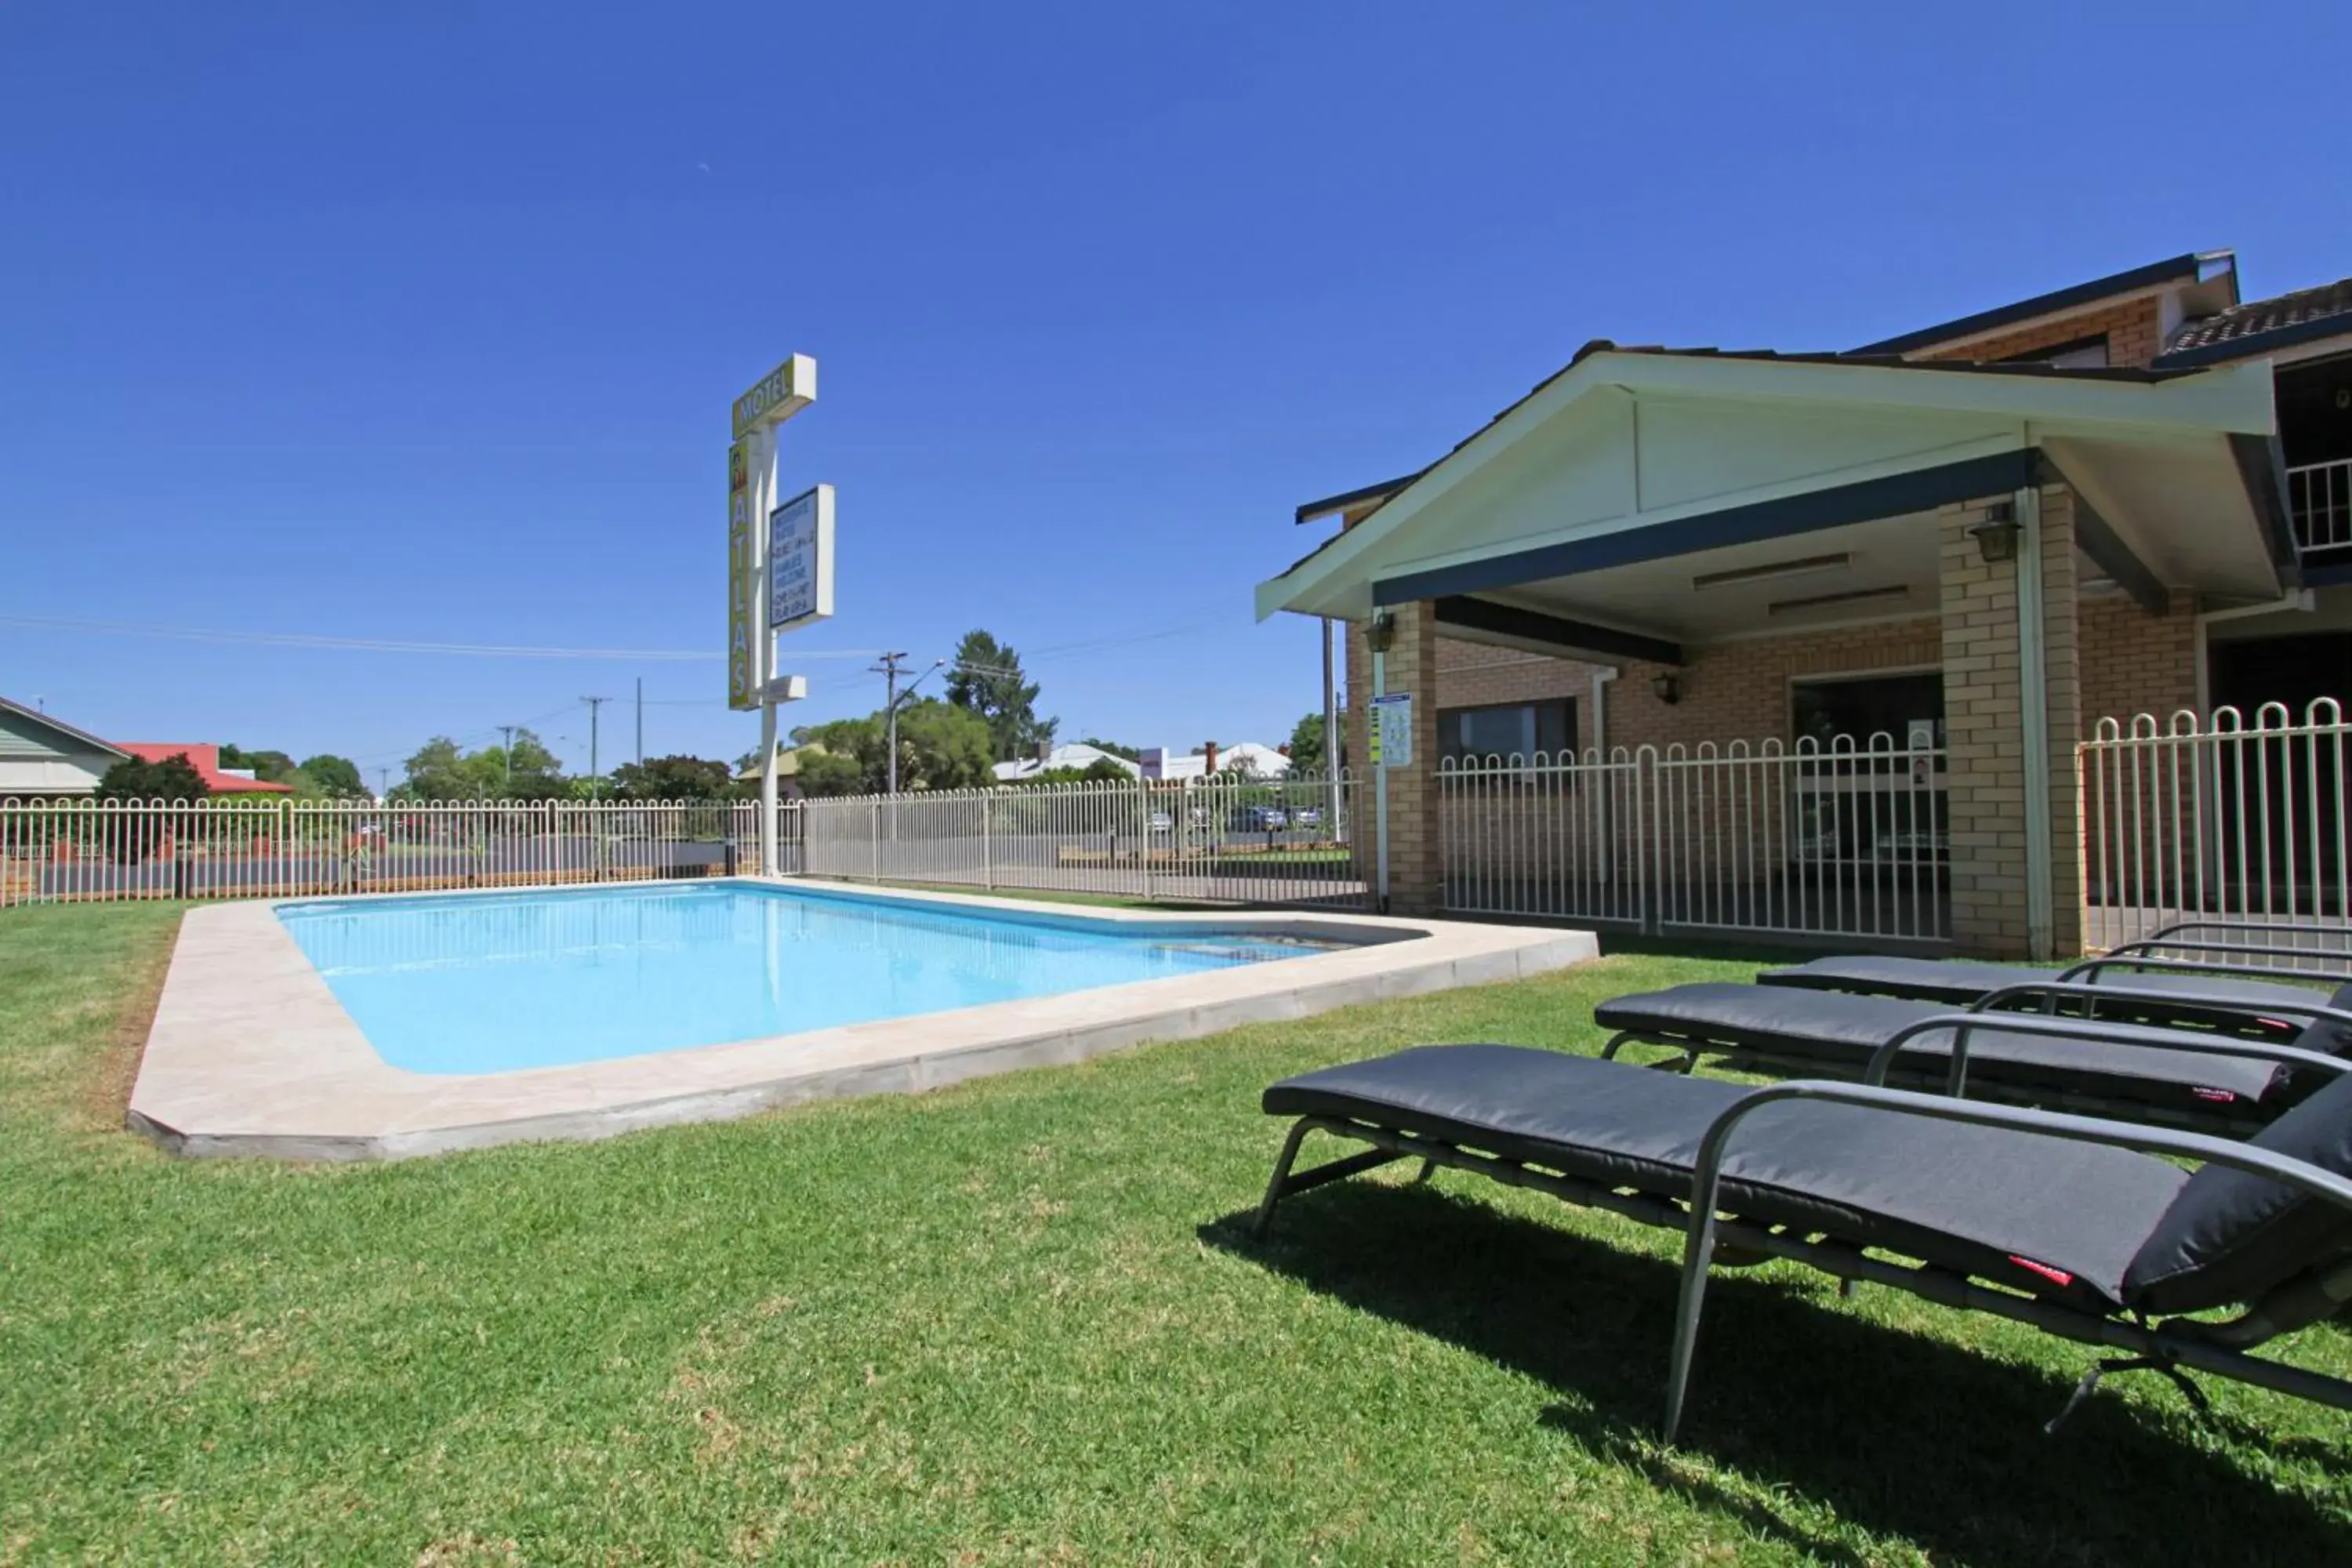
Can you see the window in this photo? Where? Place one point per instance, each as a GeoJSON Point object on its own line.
{"type": "Point", "coordinates": [1506, 730]}
{"type": "Point", "coordinates": [1895, 706]}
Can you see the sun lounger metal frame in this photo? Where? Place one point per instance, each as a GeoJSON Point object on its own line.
{"type": "Point", "coordinates": [1989, 1014]}
{"type": "Point", "coordinates": [2167, 1344]}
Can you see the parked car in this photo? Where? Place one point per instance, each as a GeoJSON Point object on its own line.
{"type": "Point", "coordinates": [1307, 816]}
{"type": "Point", "coordinates": [1259, 820]}
{"type": "Point", "coordinates": [1160, 822]}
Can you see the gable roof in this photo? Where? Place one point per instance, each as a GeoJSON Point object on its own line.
{"type": "Point", "coordinates": [2196, 266]}
{"type": "Point", "coordinates": [2259, 326]}
{"type": "Point", "coordinates": [1945, 403]}
{"type": "Point", "coordinates": [1389, 490]}
{"type": "Point", "coordinates": [61, 726]}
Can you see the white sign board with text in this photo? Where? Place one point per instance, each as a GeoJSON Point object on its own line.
{"type": "Point", "coordinates": [800, 560]}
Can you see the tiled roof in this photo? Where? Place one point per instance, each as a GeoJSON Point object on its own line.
{"type": "Point", "coordinates": [205, 760]}
{"type": "Point", "coordinates": [2230, 332]}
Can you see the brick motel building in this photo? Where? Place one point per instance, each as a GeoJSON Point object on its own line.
{"type": "Point", "coordinates": [1820, 645]}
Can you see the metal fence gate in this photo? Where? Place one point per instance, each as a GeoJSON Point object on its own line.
{"type": "Point", "coordinates": [2231, 817]}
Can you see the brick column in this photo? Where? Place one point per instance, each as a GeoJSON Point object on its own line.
{"type": "Point", "coordinates": [1416, 861]}
{"type": "Point", "coordinates": [1983, 717]}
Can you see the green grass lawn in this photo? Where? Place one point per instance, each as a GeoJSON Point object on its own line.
{"type": "Point", "coordinates": [1013, 1322]}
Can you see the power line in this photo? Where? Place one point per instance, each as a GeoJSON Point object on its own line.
{"type": "Point", "coordinates": [389, 645]}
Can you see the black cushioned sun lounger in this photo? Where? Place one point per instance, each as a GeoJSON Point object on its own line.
{"type": "Point", "coordinates": [2138, 995]}
{"type": "Point", "coordinates": [2072, 1224]}
{"type": "Point", "coordinates": [2190, 1078]}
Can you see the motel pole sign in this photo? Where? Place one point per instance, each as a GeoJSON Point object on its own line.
{"type": "Point", "coordinates": [779, 565]}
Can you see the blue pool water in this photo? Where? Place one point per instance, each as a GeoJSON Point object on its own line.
{"type": "Point", "coordinates": [488, 982]}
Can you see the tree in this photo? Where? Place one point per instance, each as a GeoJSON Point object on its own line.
{"type": "Point", "coordinates": [986, 679]}
{"type": "Point", "coordinates": [940, 746]}
{"type": "Point", "coordinates": [270, 767]}
{"type": "Point", "coordinates": [526, 771]}
{"type": "Point", "coordinates": [1307, 754]}
{"type": "Point", "coordinates": [437, 771]}
{"type": "Point", "coordinates": [829, 773]}
{"type": "Point", "coordinates": [135, 780]}
{"type": "Point", "coordinates": [337, 778]}
{"type": "Point", "coordinates": [1102, 770]}
{"type": "Point", "coordinates": [674, 778]}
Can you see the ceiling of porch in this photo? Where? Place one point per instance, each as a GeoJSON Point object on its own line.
{"type": "Point", "coordinates": [1770, 587]}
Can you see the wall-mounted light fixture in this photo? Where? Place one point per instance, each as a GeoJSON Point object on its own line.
{"type": "Point", "coordinates": [1996, 536]}
{"type": "Point", "coordinates": [1668, 686]}
{"type": "Point", "coordinates": [1382, 632]}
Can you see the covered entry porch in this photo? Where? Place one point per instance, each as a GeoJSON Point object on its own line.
{"type": "Point", "coordinates": [1793, 645]}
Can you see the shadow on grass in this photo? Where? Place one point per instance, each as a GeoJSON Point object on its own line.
{"type": "Point", "coordinates": [1901, 1435]}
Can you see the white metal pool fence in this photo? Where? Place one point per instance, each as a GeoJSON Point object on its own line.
{"type": "Point", "coordinates": [1846, 839]}
{"type": "Point", "coordinates": [229, 847]}
{"type": "Point", "coordinates": [1225, 838]}
{"type": "Point", "coordinates": [1228, 839]}
{"type": "Point", "coordinates": [2230, 817]}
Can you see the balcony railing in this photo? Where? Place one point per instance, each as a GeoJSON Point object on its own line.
{"type": "Point", "coordinates": [2319, 499]}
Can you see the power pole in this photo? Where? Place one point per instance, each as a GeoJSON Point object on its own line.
{"type": "Point", "coordinates": [641, 720]}
{"type": "Point", "coordinates": [594, 778]}
{"type": "Point", "coordinates": [889, 668]}
{"type": "Point", "coordinates": [506, 735]}
{"type": "Point", "coordinates": [383, 781]}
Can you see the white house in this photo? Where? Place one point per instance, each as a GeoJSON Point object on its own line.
{"type": "Point", "coordinates": [1243, 756]}
{"type": "Point", "coordinates": [42, 756]}
{"type": "Point", "coordinates": [1077, 754]}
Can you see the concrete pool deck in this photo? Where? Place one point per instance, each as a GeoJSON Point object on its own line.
{"type": "Point", "coordinates": [251, 1053]}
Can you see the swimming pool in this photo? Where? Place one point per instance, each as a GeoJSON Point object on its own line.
{"type": "Point", "coordinates": [491, 982]}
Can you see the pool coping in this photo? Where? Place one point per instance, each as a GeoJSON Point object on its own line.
{"type": "Point", "coordinates": [251, 1053]}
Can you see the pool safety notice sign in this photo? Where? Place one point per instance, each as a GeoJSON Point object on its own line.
{"type": "Point", "coordinates": [1390, 741]}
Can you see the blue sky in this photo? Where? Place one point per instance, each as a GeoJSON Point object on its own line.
{"type": "Point", "coordinates": [420, 323]}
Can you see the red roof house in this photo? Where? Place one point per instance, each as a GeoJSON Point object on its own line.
{"type": "Point", "coordinates": [205, 760]}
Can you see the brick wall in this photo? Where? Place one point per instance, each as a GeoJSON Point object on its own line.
{"type": "Point", "coordinates": [1986, 745]}
{"type": "Point", "coordinates": [2133, 662]}
{"type": "Point", "coordinates": [1735, 691]}
{"type": "Point", "coordinates": [1739, 692]}
{"type": "Point", "coordinates": [2132, 330]}
{"type": "Point", "coordinates": [1472, 675]}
